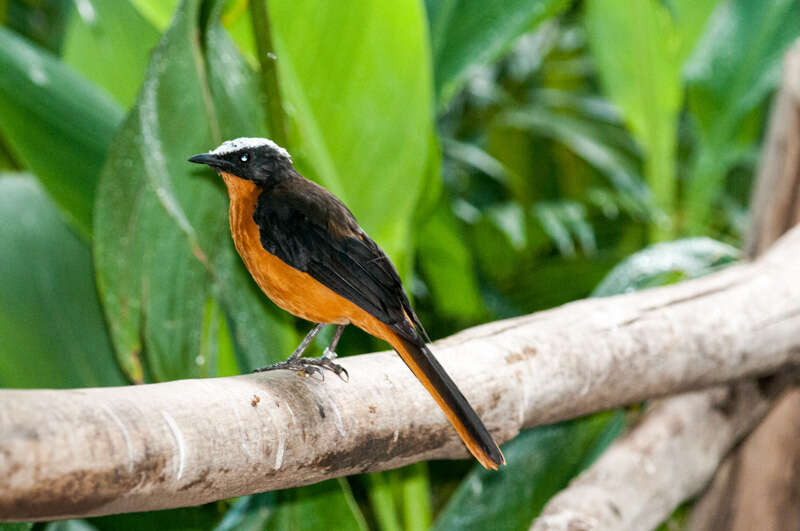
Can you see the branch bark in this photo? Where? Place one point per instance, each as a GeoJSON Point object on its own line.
{"type": "Point", "coordinates": [641, 478]}
{"type": "Point", "coordinates": [106, 450]}
{"type": "Point", "coordinates": [626, 496]}
{"type": "Point", "coordinates": [757, 486]}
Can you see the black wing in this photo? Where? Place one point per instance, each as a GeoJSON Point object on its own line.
{"type": "Point", "coordinates": [311, 230]}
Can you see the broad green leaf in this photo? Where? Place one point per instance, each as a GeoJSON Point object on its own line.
{"type": "Point", "coordinates": [447, 264]}
{"type": "Point", "coordinates": [639, 48]}
{"type": "Point", "coordinates": [162, 245]}
{"type": "Point", "coordinates": [736, 63]}
{"type": "Point", "coordinates": [248, 513]}
{"type": "Point", "coordinates": [665, 263]}
{"type": "Point", "coordinates": [326, 505]}
{"type": "Point", "coordinates": [357, 84]}
{"type": "Point", "coordinates": [51, 322]}
{"type": "Point", "coordinates": [56, 123]}
{"type": "Point", "coordinates": [540, 462]}
{"type": "Point", "coordinates": [595, 142]}
{"type": "Point", "coordinates": [109, 42]}
{"type": "Point", "coordinates": [158, 12]}
{"type": "Point", "coordinates": [468, 33]}
{"type": "Point", "coordinates": [201, 518]}
{"type": "Point", "coordinates": [70, 525]}
{"type": "Point", "coordinates": [21, 526]}
{"type": "Point", "coordinates": [382, 502]}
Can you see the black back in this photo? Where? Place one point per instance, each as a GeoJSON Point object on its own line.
{"type": "Point", "coordinates": [311, 230]}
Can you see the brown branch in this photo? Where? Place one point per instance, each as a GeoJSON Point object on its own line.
{"type": "Point", "coordinates": [757, 486]}
{"type": "Point", "coordinates": [685, 460]}
{"type": "Point", "coordinates": [100, 451]}
{"type": "Point", "coordinates": [642, 477]}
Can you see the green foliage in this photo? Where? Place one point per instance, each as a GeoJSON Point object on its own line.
{"type": "Point", "coordinates": [506, 154]}
{"type": "Point", "coordinates": [50, 318]}
{"type": "Point", "coordinates": [727, 84]}
{"type": "Point", "coordinates": [465, 33]}
{"type": "Point", "coordinates": [374, 61]}
{"type": "Point", "coordinates": [639, 48]}
{"type": "Point", "coordinates": [666, 263]}
{"type": "Point", "coordinates": [109, 42]}
{"type": "Point", "coordinates": [56, 123]}
{"type": "Point", "coordinates": [540, 462]}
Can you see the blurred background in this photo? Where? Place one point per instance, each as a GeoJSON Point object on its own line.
{"type": "Point", "coordinates": [509, 155]}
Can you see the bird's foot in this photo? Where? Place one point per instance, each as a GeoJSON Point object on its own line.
{"type": "Point", "coordinates": [311, 366]}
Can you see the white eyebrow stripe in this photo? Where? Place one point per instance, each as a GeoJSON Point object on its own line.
{"type": "Point", "coordinates": [230, 146]}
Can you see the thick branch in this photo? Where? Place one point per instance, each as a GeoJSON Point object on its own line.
{"type": "Point", "coordinates": [99, 451]}
{"type": "Point", "coordinates": [626, 496]}
{"type": "Point", "coordinates": [668, 458]}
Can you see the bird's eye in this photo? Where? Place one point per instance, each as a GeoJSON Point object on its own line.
{"type": "Point", "coordinates": [244, 157]}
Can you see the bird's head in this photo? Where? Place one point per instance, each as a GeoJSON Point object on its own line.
{"type": "Point", "coordinates": [253, 159]}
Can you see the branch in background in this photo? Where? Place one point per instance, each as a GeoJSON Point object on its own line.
{"type": "Point", "coordinates": [704, 431]}
{"type": "Point", "coordinates": [757, 486]}
{"type": "Point", "coordinates": [642, 477]}
{"type": "Point", "coordinates": [269, 72]}
{"type": "Point", "coordinates": [100, 451]}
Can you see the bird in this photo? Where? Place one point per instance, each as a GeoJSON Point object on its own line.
{"type": "Point", "coordinates": [308, 254]}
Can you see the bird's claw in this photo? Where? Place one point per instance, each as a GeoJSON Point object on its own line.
{"type": "Point", "coordinates": [310, 367]}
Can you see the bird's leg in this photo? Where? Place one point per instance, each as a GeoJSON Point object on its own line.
{"type": "Point", "coordinates": [330, 351]}
{"type": "Point", "coordinates": [310, 366]}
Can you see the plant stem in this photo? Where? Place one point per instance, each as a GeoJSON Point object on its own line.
{"type": "Point", "coordinates": [270, 89]}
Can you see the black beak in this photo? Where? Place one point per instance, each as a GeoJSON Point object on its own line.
{"type": "Point", "coordinates": [208, 159]}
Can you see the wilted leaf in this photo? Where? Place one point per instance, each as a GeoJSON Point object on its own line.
{"type": "Point", "coordinates": [56, 123]}
{"type": "Point", "coordinates": [51, 322]}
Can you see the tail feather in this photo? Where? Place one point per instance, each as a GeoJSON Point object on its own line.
{"type": "Point", "coordinates": [460, 414]}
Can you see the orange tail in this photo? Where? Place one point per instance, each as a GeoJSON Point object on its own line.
{"type": "Point", "coordinates": [460, 414]}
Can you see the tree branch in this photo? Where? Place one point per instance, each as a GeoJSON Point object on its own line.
{"type": "Point", "coordinates": [626, 496]}
{"type": "Point", "coordinates": [642, 477]}
{"type": "Point", "coordinates": [100, 451]}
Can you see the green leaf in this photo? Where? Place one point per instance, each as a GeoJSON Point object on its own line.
{"type": "Point", "coordinates": [447, 264]}
{"type": "Point", "coordinates": [590, 140]}
{"type": "Point", "coordinates": [162, 245]}
{"type": "Point", "coordinates": [22, 526]}
{"type": "Point", "coordinates": [248, 513]}
{"type": "Point", "coordinates": [199, 518]}
{"type": "Point", "coordinates": [70, 525]}
{"type": "Point", "coordinates": [109, 42]}
{"type": "Point", "coordinates": [357, 85]}
{"type": "Point", "coordinates": [540, 462]}
{"type": "Point", "coordinates": [639, 49]}
{"type": "Point", "coordinates": [736, 64]}
{"type": "Point", "coordinates": [158, 12]}
{"type": "Point", "coordinates": [326, 505]}
{"type": "Point", "coordinates": [665, 263]}
{"type": "Point", "coordinates": [468, 33]}
{"type": "Point", "coordinates": [56, 123]}
{"type": "Point", "coordinates": [51, 322]}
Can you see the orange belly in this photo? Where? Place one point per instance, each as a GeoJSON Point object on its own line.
{"type": "Point", "coordinates": [295, 291]}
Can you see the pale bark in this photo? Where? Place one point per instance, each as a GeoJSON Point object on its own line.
{"type": "Point", "coordinates": [668, 458]}
{"type": "Point", "coordinates": [99, 451]}
{"type": "Point", "coordinates": [625, 496]}
{"type": "Point", "coordinates": [758, 486]}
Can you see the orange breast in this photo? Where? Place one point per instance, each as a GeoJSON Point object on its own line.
{"type": "Point", "coordinates": [295, 291]}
